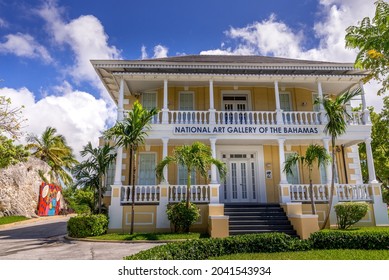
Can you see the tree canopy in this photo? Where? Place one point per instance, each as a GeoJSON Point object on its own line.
{"type": "Point", "coordinates": [11, 118]}
{"type": "Point", "coordinates": [371, 38]}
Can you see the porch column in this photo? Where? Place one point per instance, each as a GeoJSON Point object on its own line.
{"type": "Point", "coordinates": [119, 150]}
{"type": "Point", "coordinates": [284, 191]}
{"type": "Point", "coordinates": [370, 161]}
{"type": "Point", "coordinates": [165, 109]}
{"type": "Point", "coordinates": [366, 112]}
{"type": "Point", "coordinates": [165, 141]}
{"type": "Point", "coordinates": [323, 117]}
{"type": "Point", "coordinates": [328, 167]}
{"type": "Point", "coordinates": [212, 111]}
{"type": "Point", "coordinates": [213, 167]}
{"type": "Point", "coordinates": [281, 142]}
{"type": "Point", "coordinates": [278, 105]}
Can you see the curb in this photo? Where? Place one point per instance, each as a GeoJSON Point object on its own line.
{"type": "Point", "coordinates": [124, 241]}
{"type": "Point", "coordinates": [34, 220]}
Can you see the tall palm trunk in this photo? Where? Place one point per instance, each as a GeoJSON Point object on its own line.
{"type": "Point", "coordinates": [133, 191]}
{"type": "Point", "coordinates": [313, 206]}
{"type": "Point", "coordinates": [189, 179]}
{"type": "Point", "coordinates": [129, 175]}
{"type": "Point", "coordinates": [100, 187]}
{"type": "Point", "coordinates": [332, 189]}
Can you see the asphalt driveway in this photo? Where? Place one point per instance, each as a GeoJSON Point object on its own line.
{"type": "Point", "coordinates": [44, 239]}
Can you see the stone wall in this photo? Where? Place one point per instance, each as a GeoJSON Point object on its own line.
{"type": "Point", "coordinates": [19, 188]}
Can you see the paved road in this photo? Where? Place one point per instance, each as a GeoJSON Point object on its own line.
{"type": "Point", "coordinates": [43, 239]}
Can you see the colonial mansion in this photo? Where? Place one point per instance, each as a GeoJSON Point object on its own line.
{"type": "Point", "coordinates": [253, 112]}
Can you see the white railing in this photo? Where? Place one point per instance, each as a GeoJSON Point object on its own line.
{"type": "Point", "coordinates": [353, 192]}
{"type": "Point", "coordinates": [250, 117]}
{"type": "Point", "coordinates": [198, 193]}
{"type": "Point", "coordinates": [345, 192]}
{"type": "Point", "coordinates": [143, 194]}
{"type": "Point", "coordinates": [188, 117]}
{"type": "Point", "coordinates": [246, 117]}
{"type": "Point", "coordinates": [301, 118]}
{"type": "Point", "coordinates": [355, 118]}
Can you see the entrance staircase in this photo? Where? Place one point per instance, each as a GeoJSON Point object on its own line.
{"type": "Point", "coordinates": [257, 218]}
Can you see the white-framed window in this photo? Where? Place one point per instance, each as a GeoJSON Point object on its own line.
{"type": "Point", "coordinates": [294, 177]}
{"type": "Point", "coordinates": [323, 174]}
{"type": "Point", "coordinates": [186, 101]}
{"type": "Point", "coordinates": [149, 100]}
{"type": "Point", "coordinates": [183, 176]}
{"type": "Point", "coordinates": [146, 169]}
{"type": "Point", "coordinates": [110, 176]}
{"type": "Point", "coordinates": [285, 101]}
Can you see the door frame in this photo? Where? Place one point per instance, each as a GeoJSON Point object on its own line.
{"type": "Point", "coordinates": [260, 180]}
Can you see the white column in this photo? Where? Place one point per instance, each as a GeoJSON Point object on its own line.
{"type": "Point", "coordinates": [120, 115]}
{"type": "Point", "coordinates": [278, 105]}
{"type": "Point", "coordinates": [283, 179]}
{"type": "Point", "coordinates": [326, 146]}
{"type": "Point", "coordinates": [119, 150]}
{"type": "Point", "coordinates": [370, 161]}
{"type": "Point", "coordinates": [165, 141]}
{"type": "Point", "coordinates": [213, 167]}
{"type": "Point", "coordinates": [165, 109]}
{"type": "Point", "coordinates": [212, 111]}
{"type": "Point", "coordinates": [323, 116]}
{"type": "Point", "coordinates": [366, 112]}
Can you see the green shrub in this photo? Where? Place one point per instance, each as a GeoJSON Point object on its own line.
{"type": "Point", "coordinates": [87, 225]}
{"type": "Point", "coordinates": [182, 217]}
{"type": "Point", "coordinates": [349, 213]}
{"type": "Point", "coordinates": [350, 239]}
{"type": "Point", "coordinates": [202, 249]}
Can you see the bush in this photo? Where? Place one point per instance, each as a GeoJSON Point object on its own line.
{"type": "Point", "coordinates": [350, 239]}
{"type": "Point", "coordinates": [182, 217]}
{"type": "Point", "coordinates": [349, 213]}
{"type": "Point", "coordinates": [87, 225]}
{"type": "Point", "coordinates": [202, 249]}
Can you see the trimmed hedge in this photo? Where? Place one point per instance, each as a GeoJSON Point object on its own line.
{"type": "Point", "coordinates": [202, 249]}
{"type": "Point", "coordinates": [350, 239]}
{"type": "Point", "coordinates": [87, 225]}
{"type": "Point", "coordinates": [349, 213]}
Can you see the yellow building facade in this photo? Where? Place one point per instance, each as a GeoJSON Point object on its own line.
{"type": "Point", "coordinates": [253, 112]}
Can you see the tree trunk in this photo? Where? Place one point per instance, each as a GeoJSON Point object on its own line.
{"type": "Point", "coordinates": [189, 179]}
{"type": "Point", "coordinates": [313, 206]}
{"type": "Point", "coordinates": [332, 189]}
{"type": "Point", "coordinates": [100, 186]}
{"type": "Point", "coordinates": [129, 175]}
{"type": "Point", "coordinates": [133, 191]}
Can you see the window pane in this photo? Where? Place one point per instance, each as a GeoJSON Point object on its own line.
{"type": "Point", "coordinates": [183, 176]}
{"type": "Point", "coordinates": [294, 177]}
{"type": "Point", "coordinates": [146, 169]}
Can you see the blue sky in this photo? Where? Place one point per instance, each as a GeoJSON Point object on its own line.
{"type": "Point", "coordinates": [46, 45]}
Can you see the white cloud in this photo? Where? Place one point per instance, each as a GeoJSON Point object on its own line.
{"type": "Point", "coordinates": [3, 23]}
{"type": "Point", "coordinates": [85, 36]}
{"type": "Point", "coordinates": [160, 51]}
{"type": "Point", "coordinates": [273, 37]}
{"type": "Point", "coordinates": [24, 45]}
{"type": "Point", "coordinates": [144, 52]}
{"type": "Point", "coordinates": [77, 115]}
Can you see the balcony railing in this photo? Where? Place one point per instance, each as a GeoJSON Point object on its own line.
{"type": "Point", "coordinates": [344, 192]}
{"type": "Point", "coordinates": [176, 193]}
{"type": "Point", "coordinates": [249, 117]}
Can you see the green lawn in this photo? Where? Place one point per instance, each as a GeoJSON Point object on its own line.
{"type": "Point", "coordinates": [149, 236]}
{"type": "Point", "coordinates": [313, 255]}
{"type": "Point", "coordinates": [11, 219]}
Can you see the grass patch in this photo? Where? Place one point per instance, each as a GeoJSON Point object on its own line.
{"type": "Point", "coordinates": [12, 219]}
{"type": "Point", "coordinates": [150, 236]}
{"type": "Point", "coordinates": [313, 255]}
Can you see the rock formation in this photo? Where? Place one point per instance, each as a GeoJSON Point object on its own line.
{"type": "Point", "coordinates": [19, 188]}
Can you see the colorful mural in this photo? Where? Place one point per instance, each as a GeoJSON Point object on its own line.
{"type": "Point", "coordinates": [49, 199]}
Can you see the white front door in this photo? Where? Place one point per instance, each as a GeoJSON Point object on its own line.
{"type": "Point", "coordinates": [235, 104]}
{"type": "Point", "coordinates": [240, 184]}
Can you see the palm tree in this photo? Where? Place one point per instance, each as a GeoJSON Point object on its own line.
{"type": "Point", "coordinates": [131, 133]}
{"type": "Point", "coordinates": [313, 153]}
{"type": "Point", "coordinates": [51, 148]}
{"type": "Point", "coordinates": [336, 126]}
{"type": "Point", "coordinates": [196, 157]}
{"type": "Point", "coordinates": [91, 172]}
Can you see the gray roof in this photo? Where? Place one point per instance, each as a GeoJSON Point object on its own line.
{"type": "Point", "coordinates": [239, 59]}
